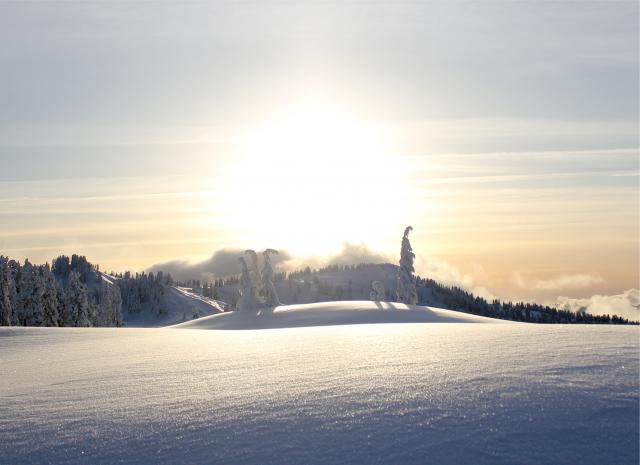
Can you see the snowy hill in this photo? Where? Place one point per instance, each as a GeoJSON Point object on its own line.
{"type": "Point", "coordinates": [333, 313]}
{"type": "Point", "coordinates": [177, 304]}
{"type": "Point", "coordinates": [448, 394]}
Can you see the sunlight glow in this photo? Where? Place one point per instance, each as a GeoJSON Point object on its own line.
{"type": "Point", "coordinates": [312, 176]}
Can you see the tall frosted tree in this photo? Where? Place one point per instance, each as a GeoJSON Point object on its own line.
{"type": "Point", "coordinates": [406, 280]}
{"type": "Point", "coordinates": [78, 301]}
{"type": "Point", "coordinates": [64, 307]}
{"type": "Point", "coordinates": [110, 306]}
{"type": "Point", "coordinates": [251, 258]}
{"type": "Point", "coordinates": [248, 295]}
{"type": "Point", "coordinates": [50, 302]}
{"type": "Point", "coordinates": [268, 288]}
{"type": "Point", "coordinates": [6, 284]}
{"type": "Point", "coordinates": [15, 270]}
{"type": "Point", "coordinates": [29, 306]}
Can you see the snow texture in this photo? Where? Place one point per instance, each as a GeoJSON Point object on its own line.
{"type": "Point", "coordinates": [403, 393]}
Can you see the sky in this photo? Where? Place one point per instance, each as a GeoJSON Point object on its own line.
{"type": "Point", "coordinates": [505, 133]}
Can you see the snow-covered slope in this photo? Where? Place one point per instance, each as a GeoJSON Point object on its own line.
{"type": "Point", "coordinates": [355, 394]}
{"type": "Point", "coordinates": [178, 304]}
{"type": "Point", "coordinates": [333, 313]}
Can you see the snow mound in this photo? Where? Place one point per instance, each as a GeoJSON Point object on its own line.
{"type": "Point", "coordinates": [333, 313]}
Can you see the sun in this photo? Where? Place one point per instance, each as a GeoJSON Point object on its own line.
{"type": "Point", "coordinates": [311, 177]}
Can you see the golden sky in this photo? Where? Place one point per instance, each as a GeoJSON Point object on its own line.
{"type": "Point", "coordinates": [505, 133]}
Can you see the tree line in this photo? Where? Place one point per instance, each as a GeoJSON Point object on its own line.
{"type": "Point", "coordinates": [72, 292]}
{"type": "Point", "coordinates": [69, 292]}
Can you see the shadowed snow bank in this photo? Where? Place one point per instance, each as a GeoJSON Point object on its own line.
{"type": "Point", "coordinates": [333, 313]}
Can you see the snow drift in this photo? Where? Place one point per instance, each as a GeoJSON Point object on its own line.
{"type": "Point", "coordinates": [333, 313]}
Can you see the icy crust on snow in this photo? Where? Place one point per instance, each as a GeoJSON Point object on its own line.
{"type": "Point", "coordinates": [333, 313]}
{"type": "Point", "coordinates": [393, 394]}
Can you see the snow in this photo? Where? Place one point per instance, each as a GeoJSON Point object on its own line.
{"type": "Point", "coordinates": [334, 313]}
{"type": "Point", "coordinates": [443, 393]}
{"type": "Point", "coordinates": [180, 304]}
{"type": "Point", "coordinates": [107, 279]}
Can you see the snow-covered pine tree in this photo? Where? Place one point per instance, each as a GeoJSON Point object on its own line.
{"type": "Point", "coordinates": [72, 290]}
{"type": "Point", "coordinates": [6, 282]}
{"type": "Point", "coordinates": [38, 298]}
{"type": "Point", "coordinates": [78, 301]}
{"type": "Point", "coordinates": [29, 306]}
{"type": "Point", "coordinates": [110, 309]}
{"type": "Point", "coordinates": [92, 314]}
{"type": "Point", "coordinates": [406, 291]}
{"type": "Point", "coordinates": [248, 296]}
{"type": "Point", "coordinates": [61, 268]}
{"type": "Point", "coordinates": [50, 303]}
{"type": "Point", "coordinates": [24, 292]}
{"type": "Point", "coordinates": [268, 288]}
{"type": "Point", "coordinates": [116, 313]}
{"type": "Point", "coordinates": [104, 308]}
{"type": "Point", "coordinates": [64, 307]}
{"type": "Point", "coordinates": [251, 258]}
{"type": "Point", "coordinates": [15, 268]}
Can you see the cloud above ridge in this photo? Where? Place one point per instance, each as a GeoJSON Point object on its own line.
{"type": "Point", "coordinates": [626, 304]}
{"type": "Point", "coordinates": [223, 262]}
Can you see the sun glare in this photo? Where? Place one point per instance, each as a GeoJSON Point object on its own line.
{"type": "Point", "coordinates": [310, 177]}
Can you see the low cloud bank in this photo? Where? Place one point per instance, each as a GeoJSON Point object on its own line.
{"type": "Point", "coordinates": [626, 305]}
{"type": "Point", "coordinates": [223, 262]}
{"type": "Point", "coordinates": [354, 254]}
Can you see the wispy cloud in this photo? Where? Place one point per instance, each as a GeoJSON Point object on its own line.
{"type": "Point", "coordinates": [446, 273]}
{"type": "Point", "coordinates": [565, 281]}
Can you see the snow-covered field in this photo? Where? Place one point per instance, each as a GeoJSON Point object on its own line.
{"type": "Point", "coordinates": [403, 393]}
